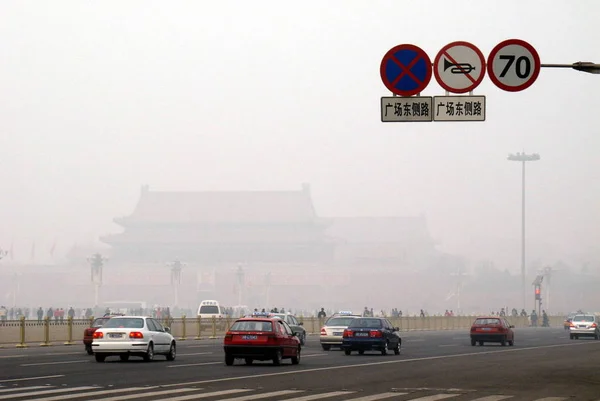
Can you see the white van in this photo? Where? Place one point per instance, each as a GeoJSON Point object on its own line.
{"type": "Point", "coordinates": [209, 309]}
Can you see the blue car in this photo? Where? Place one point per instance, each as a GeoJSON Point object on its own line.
{"type": "Point", "coordinates": [371, 334]}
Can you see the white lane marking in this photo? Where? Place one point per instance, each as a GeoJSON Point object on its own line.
{"type": "Point", "coordinates": [35, 355]}
{"type": "Point", "coordinates": [195, 353]}
{"type": "Point", "coordinates": [93, 393]}
{"type": "Point", "coordinates": [493, 398]}
{"type": "Point", "coordinates": [361, 365]}
{"type": "Point", "coordinates": [53, 363]}
{"type": "Point", "coordinates": [30, 378]}
{"type": "Point", "coordinates": [320, 396]}
{"type": "Point", "coordinates": [194, 364]}
{"type": "Point", "coordinates": [118, 397]}
{"type": "Point", "coordinates": [43, 392]}
{"type": "Point", "coordinates": [435, 397]}
{"type": "Point", "coordinates": [376, 397]}
{"type": "Point", "coordinates": [205, 395]}
{"type": "Point", "coordinates": [309, 355]}
{"type": "Point", "coordinates": [13, 356]}
{"type": "Point", "coordinates": [552, 399]}
{"type": "Point", "coordinates": [414, 341]}
{"type": "Point", "coordinates": [62, 353]}
{"type": "Point", "coordinates": [264, 395]}
{"type": "Point", "coordinates": [448, 345]}
{"type": "Point", "coordinates": [11, 390]}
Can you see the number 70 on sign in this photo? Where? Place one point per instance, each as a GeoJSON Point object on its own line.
{"type": "Point", "coordinates": [513, 65]}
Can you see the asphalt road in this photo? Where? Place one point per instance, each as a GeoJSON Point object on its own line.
{"type": "Point", "coordinates": [432, 366]}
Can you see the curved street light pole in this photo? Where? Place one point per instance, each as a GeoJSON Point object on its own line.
{"type": "Point", "coordinates": [523, 158]}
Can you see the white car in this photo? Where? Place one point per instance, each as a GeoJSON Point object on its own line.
{"type": "Point", "coordinates": [133, 335]}
{"type": "Point", "coordinates": [333, 330]}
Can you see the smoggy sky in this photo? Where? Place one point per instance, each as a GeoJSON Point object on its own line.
{"type": "Point", "coordinates": [99, 98]}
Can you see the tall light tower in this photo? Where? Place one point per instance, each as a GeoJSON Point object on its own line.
{"type": "Point", "coordinates": [523, 158]}
{"type": "Point", "coordinates": [176, 267]}
{"type": "Point", "coordinates": [96, 262]}
{"type": "Point", "coordinates": [459, 274]}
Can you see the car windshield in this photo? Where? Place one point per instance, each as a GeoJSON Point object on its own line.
{"type": "Point", "coordinates": [340, 321]}
{"type": "Point", "coordinates": [100, 322]}
{"type": "Point", "coordinates": [366, 323]}
{"type": "Point", "coordinates": [124, 323]}
{"type": "Point", "coordinates": [279, 315]}
{"type": "Point", "coordinates": [209, 309]}
{"type": "Point", "coordinates": [249, 325]}
{"type": "Point", "coordinates": [583, 318]}
{"type": "Point", "coordinates": [487, 321]}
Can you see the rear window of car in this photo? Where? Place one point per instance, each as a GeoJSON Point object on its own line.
{"type": "Point", "coordinates": [340, 321]}
{"type": "Point", "coordinates": [365, 323]}
{"type": "Point", "coordinates": [209, 309]}
{"type": "Point", "coordinates": [99, 322]}
{"type": "Point", "coordinates": [124, 323]}
{"type": "Point", "coordinates": [247, 325]}
{"type": "Point", "coordinates": [583, 318]}
{"type": "Point", "coordinates": [487, 321]}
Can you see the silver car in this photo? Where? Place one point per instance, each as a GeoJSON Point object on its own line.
{"type": "Point", "coordinates": [333, 330]}
{"type": "Point", "coordinates": [584, 326]}
{"type": "Point", "coordinates": [133, 335]}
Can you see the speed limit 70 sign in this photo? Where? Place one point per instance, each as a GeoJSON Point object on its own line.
{"type": "Point", "coordinates": [513, 65]}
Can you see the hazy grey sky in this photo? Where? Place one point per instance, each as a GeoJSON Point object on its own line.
{"type": "Point", "coordinates": [98, 98]}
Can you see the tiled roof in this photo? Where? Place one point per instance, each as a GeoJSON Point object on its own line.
{"type": "Point", "coordinates": [378, 229]}
{"type": "Point", "coordinates": [223, 207]}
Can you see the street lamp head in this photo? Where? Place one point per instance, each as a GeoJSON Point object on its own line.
{"type": "Point", "coordinates": [523, 157]}
{"type": "Point", "coordinates": [587, 66]}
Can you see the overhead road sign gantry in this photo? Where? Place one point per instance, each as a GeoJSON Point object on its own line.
{"type": "Point", "coordinates": [405, 70]}
{"type": "Point", "coordinates": [513, 65]}
{"type": "Point", "coordinates": [459, 67]}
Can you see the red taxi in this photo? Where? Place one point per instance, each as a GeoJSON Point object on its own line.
{"type": "Point", "coordinates": [261, 338]}
{"type": "Point", "coordinates": [88, 334]}
{"type": "Point", "coordinates": [492, 329]}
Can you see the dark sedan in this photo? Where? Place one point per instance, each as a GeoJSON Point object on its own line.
{"type": "Point", "coordinates": [371, 334]}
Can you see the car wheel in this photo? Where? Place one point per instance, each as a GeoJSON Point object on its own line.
{"type": "Point", "coordinates": [124, 357]}
{"type": "Point", "coordinates": [303, 338]}
{"type": "Point", "coordinates": [100, 357]}
{"type": "Point", "coordinates": [277, 358]}
{"type": "Point", "coordinates": [571, 336]}
{"type": "Point", "coordinates": [326, 347]}
{"type": "Point", "coordinates": [361, 352]}
{"type": "Point", "coordinates": [172, 352]}
{"type": "Point", "coordinates": [296, 359]}
{"type": "Point", "coordinates": [384, 349]}
{"type": "Point", "coordinates": [473, 342]}
{"type": "Point", "coordinates": [229, 359]}
{"type": "Point", "coordinates": [347, 351]}
{"type": "Point", "coordinates": [149, 355]}
{"type": "Point", "coordinates": [503, 342]}
{"type": "Point", "coordinates": [88, 349]}
{"type": "Point", "coordinates": [481, 343]}
{"type": "Point", "coordinates": [511, 342]}
{"type": "Point", "coordinates": [397, 349]}
{"type": "Point", "coordinates": [249, 361]}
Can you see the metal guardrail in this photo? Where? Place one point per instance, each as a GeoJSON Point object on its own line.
{"type": "Point", "coordinates": [48, 332]}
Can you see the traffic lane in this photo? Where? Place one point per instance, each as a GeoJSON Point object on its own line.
{"type": "Point", "coordinates": [207, 364]}
{"type": "Point", "coordinates": [532, 372]}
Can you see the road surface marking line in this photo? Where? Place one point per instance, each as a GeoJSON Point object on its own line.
{"type": "Point", "coordinates": [31, 378]}
{"type": "Point", "coordinates": [435, 397]}
{"type": "Point", "coordinates": [194, 364]}
{"type": "Point", "coordinates": [309, 355]}
{"type": "Point", "coordinates": [361, 365]}
{"type": "Point", "coordinates": [93, 393]}
{"type": "Point", "coordinates": [493, 398]}
{"type": "Point", "coordinates": [264, 395]}
{"type": "Point", "coordinates": [121, 397]}
{"type": "Point", "coordinates": [414, 341]}
{"type": "Point", "coordinates": [195, 353]}
{"type": "Point", "coordinates": [448, 345]}
{"type": "Point", "coordinates": [13, 356]}
{"type": "Point", "coordinates": [376, 397]}
{"type": "Point", "coordinates": [53, 363]}
{"type": "Point", "coordinates": [320, 396]}
{"type": "Point", "coordinates": [553, 399]}
{"type": "Point", "coordinates": [11, 390]}
{"type": "Point", "coordinates": [43, 392]}
{"type": "Point", "coordinates": [205, 395]}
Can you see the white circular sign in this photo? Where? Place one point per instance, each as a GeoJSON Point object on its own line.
{"type": "Point", "coordinates": [513, 65]}
{"type": "Point", "coordinates": [459, 67]}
